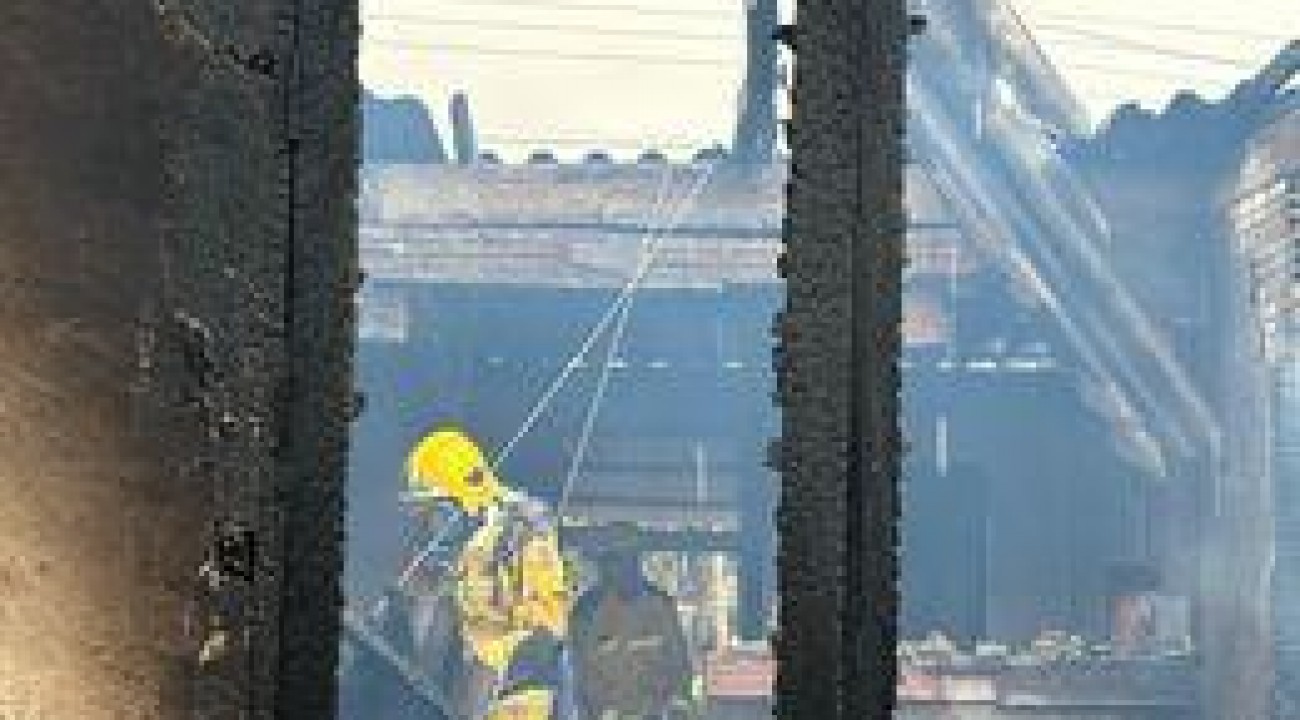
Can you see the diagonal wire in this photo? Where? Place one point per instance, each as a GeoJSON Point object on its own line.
{"type": "Point", "coordinates": [593, 410]}
{"type": "Point", "coordinates": [427, 390]}
{"type": "Point", "coordinates": [610, 315]}
{"type": "Point", "coordinates": [647, 260]}
{"type": "Point", "coordinates": [1117, 41]}
{"type": "Point", "coordinates": [1148, 25]}
{"type": "Point", "coordinates": [602, 383]}
{"type": "Point", "coordinates": [622, 305]}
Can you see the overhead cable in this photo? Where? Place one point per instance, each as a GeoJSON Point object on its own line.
{"type": "Point", "coordinates": [1140, 46]}
{"type": "Point", "coordinates": [554, 27]}
{"type": "Point", "coordinates": [549, 55]}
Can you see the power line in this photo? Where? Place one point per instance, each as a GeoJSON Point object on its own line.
{"type": "Point", "coordinates": [1195, 30]}
{"type": "Point", "coordinates": [648, 10]}
{"type": "Point", "coordinates": [1066, 69]}
{"type": "Point", "coordinates": [540, 54]}
{"type": "Point", "coordinates": [554, 27]}
{"type": "Point", "coordinates": [1140, 46]}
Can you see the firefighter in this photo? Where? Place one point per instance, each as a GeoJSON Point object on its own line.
{"type": "Point", "coordinates": [630, 654]}
{"type": "Point", "coordinates": [509, 585]}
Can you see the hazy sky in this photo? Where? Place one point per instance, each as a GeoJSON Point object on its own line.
{"type": "Point", "coordinates": [625, 74]}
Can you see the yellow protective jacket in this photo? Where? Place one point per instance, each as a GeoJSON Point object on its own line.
{"type": "Point", "coordinates": [533, 704]}
{"type": "Point", "coordinates": [512, 587]}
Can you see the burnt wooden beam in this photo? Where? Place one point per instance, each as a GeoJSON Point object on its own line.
{"type": "Point", "coordinates": [837, 363]}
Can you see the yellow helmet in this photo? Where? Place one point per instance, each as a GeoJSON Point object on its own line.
{"type": "Point", "coordinates": [447, 465]}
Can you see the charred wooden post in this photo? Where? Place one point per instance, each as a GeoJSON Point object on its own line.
{"type": "Point", "coordinates": [838, 362]}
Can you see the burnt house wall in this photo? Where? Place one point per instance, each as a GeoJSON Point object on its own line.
{"type": "Point", "coordinates": [1163, 180]}
{"type": "Point", "coordinates": [149, 165]}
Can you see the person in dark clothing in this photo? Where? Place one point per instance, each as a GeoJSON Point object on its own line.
{"type": "Point", "coordinates": [630, 656]}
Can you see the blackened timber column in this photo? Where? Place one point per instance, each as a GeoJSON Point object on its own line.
{"type": "Point", "coordinates": [838, 362]}
{"type": "Point", "coordinates": [320, 146]}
